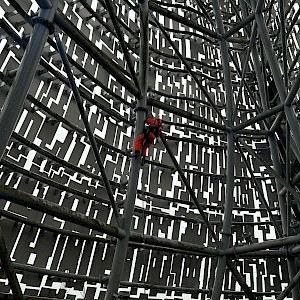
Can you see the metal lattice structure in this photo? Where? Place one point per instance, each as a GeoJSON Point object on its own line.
{"type": "Point", "coordinates": [213, 213]}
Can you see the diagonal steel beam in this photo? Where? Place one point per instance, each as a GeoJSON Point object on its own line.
{"type": "Point", "coordinates": [9, 269]}
{"type": "Point", "coordinates": [252, 98]}
{"type": "Point", "coordinates": [281, 242]}
{"type": "Point", "coordinates": [260, 117]}
{"type": "Point", "coordinates": [189, 69]}
{"type": "Point", "coordinates": [85, 120]}
{"type": "Point", "coordinates": [202, 7]}
{"type": "Point", "coordinates": [53, 209]}
{"type": "Point", "coordinates": [119, 33]}
{"type": "Point", "coordinates": [239, 26]}
{"type": "Point", "coordinates": [295, 280]}
{"type": "Point", "coordinates": [240, 279]}
{"type": "Point", "coordinates": [271, 170]}
{"type": "Point", "coordinates": [47, 4]}
{"type": "Point", "coordinates": [260, 192]}
{"type": "Point", "coordinates": [245, 67]}
{"type": "Point", "coordinates": [281, 88]}
{"type": "Point", "coordinates": [190, 190]}
{"type": "Point", "coordinates": [109, 65]}
{"type": "Point", "coordinates": [264, 35]}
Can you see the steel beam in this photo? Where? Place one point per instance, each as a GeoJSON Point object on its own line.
{"type": "Point", "coordinates": [109, 65]}
{"type": "Point", "coordinates": [192, 24]}
{"type": "Point", "coordinates": [260, 117]}
{"type": "Point", "coordinates": [245, 68]}
{"type": "Point", "coordinates": [226, 231]}
{"type": "Point", "coordinates": [15, 100]}
{"type": "Point", "coordinates": [85, 120]}
{"type": "Point", "coordinates": [42, 205]}
{"type": "Point", "coordinates": [239, 26]}
{"type": "Point", "coordinates": [199, 206]}
{"type": "Point", "coordinates": [122, 245]}
{"type": "Point", "coordinates": [189, 69]}
{"type": "Point", "coordinates": [278, 78]}
{"type": "Point", "coordinates": [281, 242]}
{"type": "Point", "coordinates": [271, 171]}
{"type": "Point", "coordinates": [260, 193]}
{"type": "Point", "coordinates": [9, 269]}
{"type": "Point", "coordinates": [160, 245]}
{"type": "Point", "coordinates": [112, 14]}
{"type": "Point", "coordinates": [56, 210]}
{"type": "Point", "coordinates": [46, 4]}
{"type": "Point", "coordinates": [202, 7]}
{"type": "Point", "coordinates": [295, 280]}
{"type": "Point", "coordinates": [293, 92]}
{"type": "Point", "coordinates": [271, 138]}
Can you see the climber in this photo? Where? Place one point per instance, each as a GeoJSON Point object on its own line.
{"type": "Point", "coordinates": [152, 130]}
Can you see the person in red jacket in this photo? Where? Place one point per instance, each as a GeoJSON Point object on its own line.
{"type": "Point", "coordinates": [152, 130]}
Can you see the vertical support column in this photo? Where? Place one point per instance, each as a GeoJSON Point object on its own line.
{"type": "Point", "coordinates": [291, 119]}
{"type": "Point", "coordinates": [277, 75]}
{"type": "Point", "coordinates": [122, 245]}
{"type": "Point", "coordinates": [271, 138]}
{"type": "Point", "coordinates": [226, 232]}
{"type": "Point", "coordinates": [16, 97]}
{"type": "Point", "coordinates": [9, 269]}
{"type": "Point", "coordinates": [13, 106]}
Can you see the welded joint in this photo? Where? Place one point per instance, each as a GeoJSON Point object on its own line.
{"type": "Point", "coordinates": [226, 233]}
{"type": "Point", "coordinates": [141, 108]}
{"type": "Point", "coordinates": [44, 22]}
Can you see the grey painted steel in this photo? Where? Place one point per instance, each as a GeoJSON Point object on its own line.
{"type": "Point", "coordinates": [271, 137]}
{"type": "Point", "coordinates": [260, 117]}
{"type": "Point", "coordinates": [279, 183]}
{"type": "Point", "coordinates": [111, 10]}
{"type": "Point", "coordinates": [245, 68]}
{"type": "Point", "coordinates": [283, 42]}
{"type": "Point", "coordinates": [290, 287]}
{"type": "Point", "coordinates": [226, 231]}
{"type": "Point", "coordinates": [42, 205]}
{"type": "Point", "coordinates": [261, 194]}
{"type": "Point", "coordinates": [9, 269]}
{"type": "Point", "coordinates": [259, 6]}
{"type": "Point", "coordinates": [207, 117]}
{"type": "Point", "coordinates": [46, 4]}
{"type": "Point", "coordinates": [286, 241]}
{"type": "Point", "coordinates": [5, 296]}
{"type": "Point", "coordinates": [43, 271]}
{"type": "Point", "coordinates": [58, 274]}
{"type": "Point", "coordinates": [271, 171]}
{"type": "Point", "coordinates": [188, 67]}
{"type": "Point", "coordinates": [288, 177]}
{"type": "Point", "coordinates": [239, 26]}
{"type": "Point", "coordinates": [294, 90]}
{"type": "Point", "coordinates": [161, 244]}
{"type": "Point", "coordinates": [14, 102]}
{"type": "Point", "coordinates": [56, 210]}
{"type": "Point", "coordinates": [109, 65]}
{"type": "Point", "coordinates": [288, 111]}
{"type": "Point", "coordinates": [278, 78]}
{"type": "Point", "coordinates": [122, 245]}
{"type": "Point", "coordinates": [191, 192]}
{"type": "Point", "coordinates": [87, 127]}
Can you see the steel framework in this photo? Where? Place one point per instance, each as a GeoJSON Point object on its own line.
{"type": "Point", "coordinates": [215, 211]}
